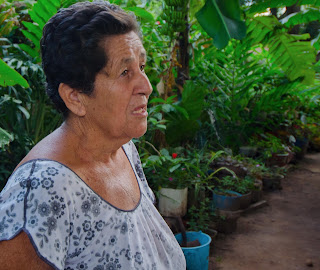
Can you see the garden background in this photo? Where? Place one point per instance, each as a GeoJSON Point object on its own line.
{"type": "Point", "coordinates": [227, 78]}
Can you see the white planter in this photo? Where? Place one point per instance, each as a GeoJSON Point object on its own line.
{"type": "Point", "coordinates": [173, 202]}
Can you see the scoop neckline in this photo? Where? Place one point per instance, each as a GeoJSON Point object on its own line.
{"type": "Point", "coordinates": [117, 208]}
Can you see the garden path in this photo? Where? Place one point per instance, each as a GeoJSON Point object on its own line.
{"type": "Point", "coordinates": [285, 235]}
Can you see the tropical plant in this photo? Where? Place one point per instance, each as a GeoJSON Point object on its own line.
{"type": "Point", "coordinates": [242, 186]}
{"type": "Point", "coordinates": [166, 171]}
{"type": "Point", "coordinates": [200, 217]}
{"type": "Point", "coordinates": [8, 20]}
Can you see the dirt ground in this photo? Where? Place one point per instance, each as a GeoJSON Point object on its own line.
{"type": "Point", "coordinates": [285, 235]}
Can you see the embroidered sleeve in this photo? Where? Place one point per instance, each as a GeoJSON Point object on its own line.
{"type": "Point", "coordinates": [35, 201]}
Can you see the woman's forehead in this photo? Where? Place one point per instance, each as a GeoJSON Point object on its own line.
{"type": "Point", "coordinates": [124, 49]}
{"type": "Point", "coordinates": [125, 46]}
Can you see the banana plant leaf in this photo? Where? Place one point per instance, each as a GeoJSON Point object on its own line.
{"type": "Point", "coordinates": [9, 76]}
{"type": "Point", "coordinates": [141, 13]}
{"type": "Point", "coordinates": [221, 20]}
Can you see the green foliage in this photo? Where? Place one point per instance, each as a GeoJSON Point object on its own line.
{"type": "Point", "coordinates": [141, 13]}
{"type": "Point", "coordinates": [305, 16]}
{"type": "Point", "coordinates": [291, 53]}
{"type": "Point", "coordinates": [264, 5]}
{"type": "Point", "coordinates": [221, 20]}
{"type": "Point", "coordinates": [26, 114]}
{"type": "Point", "coordinates": [242, 186]}
{"type": "Point", "coordinates": [183, 126]}
{"type": "Point", "coordinates": [200, 217]}
{"type": "Point", "coordinates": [8, 20]}
{"type": "Point", "coordinates": [5, 138]}
{"type": "Point", "coordinates": [167, 171]}
{"type": "Point", "coordinates": [9, 76]}
{"type": "Point", "coordinates": [294, 56]}
{"type": "Point", "coordinates": [250, 86]}
{"type": "Point", "coordinates": [270, 144]}
{"type": "Point", "coordinates": [40, 13]}
{"type": "Point", "coordinates": [174, 13]}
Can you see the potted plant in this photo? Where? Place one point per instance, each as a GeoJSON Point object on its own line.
{"type": "Point", "coordinates": [202, 174]}
{"type": "Point", "coordinates": [274, 151]}
{"type": "Point", "coordinates": [171, 177]}
{"type": "Point", "coordinates": [233, 193]}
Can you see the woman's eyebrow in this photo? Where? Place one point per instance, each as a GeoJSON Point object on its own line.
{"type": "Point", "coordinates": [130, 59]}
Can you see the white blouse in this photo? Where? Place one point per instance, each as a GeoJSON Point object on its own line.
{"type": "Point", "coordinates": [71, 227]}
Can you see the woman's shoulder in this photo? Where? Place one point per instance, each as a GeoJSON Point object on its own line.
{"type": "Point", "coordinates": [39, 178]}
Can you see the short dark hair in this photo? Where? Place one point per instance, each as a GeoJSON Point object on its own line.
{"type": "Point", "coordinates": [71, 45]}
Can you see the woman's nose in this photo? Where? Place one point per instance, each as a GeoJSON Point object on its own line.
{"type": "Point", "coordinates": [144, 87]}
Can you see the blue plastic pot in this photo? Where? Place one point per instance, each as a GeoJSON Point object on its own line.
{"type": "Point", "coordinates": [197, 258]}
{"type": "Point", "coordinates": [225, 202]}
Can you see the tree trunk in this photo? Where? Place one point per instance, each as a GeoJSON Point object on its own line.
{"type": "Point", "coordinates": [183, 56]}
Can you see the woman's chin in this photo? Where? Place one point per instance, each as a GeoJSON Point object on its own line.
{"type": "Point", "coordinates": [139, 130]}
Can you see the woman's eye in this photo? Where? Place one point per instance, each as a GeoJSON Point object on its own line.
{"type": "Point", "coordinates": [142, 67]}
{"type": "Point", "coordinates": [124, 73]}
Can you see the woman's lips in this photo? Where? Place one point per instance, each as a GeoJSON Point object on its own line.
{"type": "Point", "coordinates": [141, 111]}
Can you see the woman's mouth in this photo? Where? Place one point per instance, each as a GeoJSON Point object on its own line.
{"type": "Point", "coordinates": [141, 111]}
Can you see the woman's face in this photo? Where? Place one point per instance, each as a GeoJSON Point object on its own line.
{"type": "Point", "coordinates": [118, 104]}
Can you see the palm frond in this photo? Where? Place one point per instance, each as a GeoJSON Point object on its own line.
{"type": "Point", "coordinates": [302, 17]}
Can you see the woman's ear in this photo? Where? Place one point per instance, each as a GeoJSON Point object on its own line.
{"type": "Point", "coordinates": [73, 99]}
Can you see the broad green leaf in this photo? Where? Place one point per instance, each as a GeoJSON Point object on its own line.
{"type": "Point", "coordinates": [142, 13]}
{"type": "Point", "coordinates": [9, 76]}
{"type": "Point", "coordinates": [221, 20]}
{"type": "Point", "coordinates": [5, 137]}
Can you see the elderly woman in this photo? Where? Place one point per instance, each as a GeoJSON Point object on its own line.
{"type": "Point", "coordinates": [79, 199]}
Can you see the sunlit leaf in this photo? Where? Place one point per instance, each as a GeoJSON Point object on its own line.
{"type": "Point", "coordinates": [141, 13]}
{"type": "Point", "coordinates": [9, 76]}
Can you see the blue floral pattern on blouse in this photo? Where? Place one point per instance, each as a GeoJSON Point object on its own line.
{"type": "Point", "coordinates": [73, 228]}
